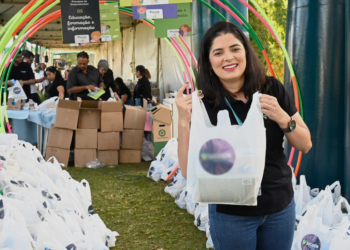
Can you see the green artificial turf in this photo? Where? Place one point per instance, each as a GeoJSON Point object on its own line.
{"type": "Point", "coordinates": [139, 210]}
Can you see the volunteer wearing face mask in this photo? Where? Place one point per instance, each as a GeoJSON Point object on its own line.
{"type": "Point", "coordinates": [57, 85]}
{"type": "Point", "coordinates": [143, 86]}
{"type": "Point", "coordinates": [230, 75]}
{"type": "Point", "coordinates": [108, 80]}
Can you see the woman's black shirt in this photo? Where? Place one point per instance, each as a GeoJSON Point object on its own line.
{"type": "Point", "coordinates": [51, 89]}
{"type": "Point", "coordinates": [143, 89]}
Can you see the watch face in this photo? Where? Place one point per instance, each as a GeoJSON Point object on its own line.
{"type": "Point", "coordinates": [292, 125]}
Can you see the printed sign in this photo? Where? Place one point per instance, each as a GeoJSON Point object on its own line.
{"type": "Point", "coordinates": [155, 11]}
{"type": "Point", "coordinates": [128, 3]}
{"type": "Point", "coordinates": [173, 27]}
{"type": "Point", "coordinates": [110, 25]}
{"type": "Point", "coordinates": [80, 21]}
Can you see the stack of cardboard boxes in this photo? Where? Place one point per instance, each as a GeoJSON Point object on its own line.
{"type": "Point", "coordinates": [86, 134]}
{"type": "Point", "coordinates": [109, 137]}
{"type": "Point", "coordinates": [98, 125]}
{"type": "Point", "coordinates": [132, 139]}
{"type": "Point", "coordinates": [161, 127]}
{"type": "Point", "coordinates": [61, 134]}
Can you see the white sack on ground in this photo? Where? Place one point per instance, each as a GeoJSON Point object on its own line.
{"type": "Point", "coordinates": [42, 206]}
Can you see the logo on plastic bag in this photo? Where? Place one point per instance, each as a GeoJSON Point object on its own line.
{"type": "Point", "coordinates": [16, 90]}
{"type": "Point", "coordinates": [91, 210]}
{"type": "Point", "coordinates": [217, 156]}
{"type": "Point", "coordinates": [310, 242]}
{"type": "Point", "coordinates": [199, 220]}
{"type": "Point", "coordinates": [151, 170]}
{"type": "Point", "coordinates": [71, 247]}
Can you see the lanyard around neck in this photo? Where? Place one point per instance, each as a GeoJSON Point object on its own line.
{"type": "Point", "coordinates": [240, 123]}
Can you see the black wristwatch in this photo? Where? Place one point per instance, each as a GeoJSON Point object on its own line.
{"type": "Point", "coordinates": [291, 126]}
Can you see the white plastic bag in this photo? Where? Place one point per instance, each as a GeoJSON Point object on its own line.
{"type": "Point", "coordinates": [167, 172]}
{"type": "Point", "coordinates": [155, 171]}
{"type": "Point", "coordinates": [302, 196]}
{"type": "Point", "coordinates": [16, 92]}
{"type": "Point", "coordinates": [201, 216]}
{"type": "Point", "coordinates": [180, 199]}
{"type": "Point", "coordinates": [190, 205]}
{"type": "Point", "coordinates": [176, 186]}
{"type": "Point", "coordinates": [226, 162]}
{"type": "Point", "coordinates": [169, 153]}
{"type": "Point", "coordinates": [49, 105]}
{"type": "Point", "coordinates": [30, 105]}
{"type": "Point", "coordinates": [312, 234]}
{"type": "Point", "coordinates": [16, 235]}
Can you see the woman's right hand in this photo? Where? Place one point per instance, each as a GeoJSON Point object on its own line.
{"type": "Point", "coordinates": [184, 105]}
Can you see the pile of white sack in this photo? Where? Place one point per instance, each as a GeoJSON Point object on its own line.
{"type": "Point", "coordinates": [164, 165]}
{"type": "Point", "coordinates": [42, 207]}
{"type": "Point", "coordinates": [322, 217]}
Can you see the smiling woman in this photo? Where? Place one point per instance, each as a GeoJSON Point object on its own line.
{"type": "Point", "coordinates": [230, 74]}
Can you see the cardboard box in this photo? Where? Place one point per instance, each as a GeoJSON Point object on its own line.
{"type": "Point", "coordinates": [111, 121]}
{"type": "Point", "coordinates": [86, 138]}
{"type": "Point", "coordinates": [157, 147]}
{"type": "Point", "coordinates": [108, 141]}
{"type": "Point", "coordinates": [134, 118]}
{"type": "Point", "coordinates": [83, 156]}
{"type": "Point", "coordinates": [161, 113]}
{"type": "Point", "coordinates": [10, 106]}
{"type": "Point", "coordinates": [67, 114]}
{"type": "Point", "coordinates": [160, 131]}
{"type": "Point", "coordinates": [129, 156]}
{"type": "Point", "coordinates": [109, 157]}
{"type": "Point", "coordinates": [112, 106]}
{"type": "Point", "coordinates": [90, 115]}
{"type": "Point", "coordinates": [62, 155]}
{"type": "Point", "coordinates": [170, 102]}
{"type": "Point", "coordinates": [60, 138]}
{"type": "Point", "coordinates": [132, 139]}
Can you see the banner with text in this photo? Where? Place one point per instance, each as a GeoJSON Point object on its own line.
{"type": "Point", "coordinates": [110, 25]}
{"type": "Point", "coordinates": [127, 3]}
{"type": "Point", "coordinates": [80, 21]}
{"type": "Point", "coordinates": [173, 27]}
{"type": "Point", "coordinates": [155, 11]}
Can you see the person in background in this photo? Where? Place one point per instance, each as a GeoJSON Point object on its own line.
{"type": "Point", "coordinates": [28, 57]}
{"type": "Point", "coordinates": [57, 85]}
{"type": "Point", "coordinates": [107, 76]}
{"type": "Point", "coordinates": [22, 72]}
{"type": "Point", "coordinates": [83, 78]}
{"type": "Point", "coordinates": [123, 91]}
{"type": "Point", "coordinates": [66, 72]}
{"type": "Point", "coordinates": [143, 86]}
{"type": "Point", "coordinates": [40, 70]}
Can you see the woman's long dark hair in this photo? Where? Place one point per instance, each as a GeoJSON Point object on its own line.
{"type": "Point", "coordinates": [143, 71]}
{"type": "Point", "coordinates": [52, 69]}
{"type": "Point", "coordinates": [122, 87]}
{"type": "Point", "coordinates": [208, 81]}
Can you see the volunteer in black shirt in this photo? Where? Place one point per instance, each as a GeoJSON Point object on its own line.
{"type": "Point", "coordinates": [230, 68]}
{"type": "Point", "coordinates": [143, 86]}
{"type": "Point", "coordinates": [22, 72]}
{"type": "Point", "coordinates": [108, 80]}
{"type": "Point", "coordinates": [123, 91]}
{"type": "Point", "coordinates": [57, 85]}
{"type": "Point", "coordinates": [83, 78]}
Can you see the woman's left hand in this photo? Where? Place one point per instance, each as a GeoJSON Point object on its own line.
{"type": "Point", "coordinates": [116, 96]}
{"type": "Point", "coordinates": [271, 108]}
